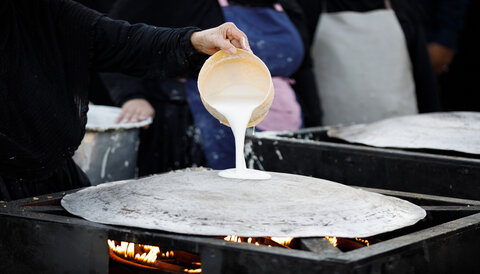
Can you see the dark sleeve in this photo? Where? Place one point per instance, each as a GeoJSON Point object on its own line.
{"type": "Point", "coordinates": [117, 46]}
{"type": "Point", "coordinates": [445, 18]}
{"type": "Point", "coordinates": [305, 85]}
{"type": "Point", "coordinates": [201, 13]}
{"type": "Point", "coordinates": [122, 88]}
{"type": "Point", "coordinates": [143, 50]}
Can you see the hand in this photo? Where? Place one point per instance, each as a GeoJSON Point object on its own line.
{"type": "Point", "coordinates": [226, 36]}
{"type": "Point", "coordinates": [135, 110]}
{"type": "Point", "coordinates": [440, 56]}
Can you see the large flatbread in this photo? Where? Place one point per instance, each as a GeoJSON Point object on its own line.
{"type": "Point", "coordinates": [202, 203]}
{"type": "Point", "coordinates": [456, 131]}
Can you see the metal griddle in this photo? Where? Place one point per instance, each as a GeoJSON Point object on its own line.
{"type": "Point", "coordinates": [200, 202]}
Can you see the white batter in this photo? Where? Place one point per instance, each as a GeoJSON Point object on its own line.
{"type": "Point", "coordinates": [237, 103]}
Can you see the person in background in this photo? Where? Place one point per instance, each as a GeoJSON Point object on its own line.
{"type": "Point", "coordinates": [443, 20]}
{"type": "Point", "coordinates": [277, 34]}
{"type": "Point", "coordinates": [459, 84]}
{"type": "Point", "coordinates": [370, 59]}
{"type": "Point", "coordinates": [48, 49]}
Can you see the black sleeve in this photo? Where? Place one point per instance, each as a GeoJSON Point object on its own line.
{"type": "Point", "coordinates": [143, 50]}
{"type": "Point", "coordinates": [117, 46]}
{"type": "Point", "coordinates": [122, 88]}
{"type": "Point", "coordinates": [445, 18]}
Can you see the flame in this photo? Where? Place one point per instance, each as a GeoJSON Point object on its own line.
{"type": "Point", "coordinates": [199, 270]}
{"type": "Point", "coordinates": [147, 255]}
{"type": "Point", "coordinates": [363, 241]}
{"type": "Point", "coordinates": [284, 241]}
{"type": "Point", "coordinates": [332, 240]}
{"type": "Point", "coordinates": [233, 238]}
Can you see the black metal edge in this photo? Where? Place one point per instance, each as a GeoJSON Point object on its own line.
{"type": "Point", "coordinates": [403, 194]}
{"type": "Point", "coordinates": [196, 243]}
{"type": "Point", "coordinates": [434, 233]}
{"type": "Point", "coordinates": [273, 137]}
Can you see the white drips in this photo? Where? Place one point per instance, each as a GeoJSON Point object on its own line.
{"type": "Point", "coordinates": [237, 103]}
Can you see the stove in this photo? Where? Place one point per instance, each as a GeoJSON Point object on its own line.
{"type": "Point", "coordinates": [311, 152]}
{"type": "Point", "coordinates": [38, 235]}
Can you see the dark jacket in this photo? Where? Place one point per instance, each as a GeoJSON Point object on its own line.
{"type": "Point", "coordinates": [443, 20]}
{"type": "Point", "coordinates": [48, 48]}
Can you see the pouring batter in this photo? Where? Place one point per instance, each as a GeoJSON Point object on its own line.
{"type": "Point", "coordinates": [237, 103]}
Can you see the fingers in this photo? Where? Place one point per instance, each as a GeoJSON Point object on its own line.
{"type": "Point", "coordinates": [226, 37]}
{"type": "Point", "coordinates": [227, 46]}
{"type": "Point", "coordinates": [135, 110]}
{"type": "Point", "coordinates": [120, 117]}
{"type": "Point", "coordinates": [237, 37]}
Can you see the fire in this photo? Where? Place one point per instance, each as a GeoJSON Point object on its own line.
{"type": "Point", "coordinates": [154, 256]}
{"type": "Point", "coordinates": [193, 270]}
{"type": "Point", "coordinates": [145, 254]}
{"type": "Point", "coordinates": [283, 241]}
{"type": "Point", "coordinates": [332, 240]}
{"type": "Point", "coordinates": [233, 238]}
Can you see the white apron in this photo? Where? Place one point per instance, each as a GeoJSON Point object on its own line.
{"type": "Point", "coordinates": [362, 67]}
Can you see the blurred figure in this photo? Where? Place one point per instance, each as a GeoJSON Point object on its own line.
{"type": "Point", "coordinates": [277, 34]}
{"type": "Point", "coordinates": [371, 59]}
{"type": "Point", "coordinates": [443, 20]}
{"type": "Point", "coordinates": [459, 84]}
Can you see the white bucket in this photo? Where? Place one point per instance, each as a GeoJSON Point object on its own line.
{"type": "Point", "coordinates": [108, 151]}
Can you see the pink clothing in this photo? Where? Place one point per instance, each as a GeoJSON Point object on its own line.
{"type": "Point", "coordinates": [285, 112]}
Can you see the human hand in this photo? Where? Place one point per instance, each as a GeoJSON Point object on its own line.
{"type": "Point", "coordinates": [440, 56]}
{"type": "Point", "coordinates": [135, 110]}
{"type": "Point", "coordinates": [226, 36]}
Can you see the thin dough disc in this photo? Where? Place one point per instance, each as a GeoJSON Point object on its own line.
{"type": "Point", "coordinates": [203, 203]}
{"type": "Point", "coordinates": [458, 131]}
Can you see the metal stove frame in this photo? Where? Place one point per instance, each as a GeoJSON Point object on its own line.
{"type": "Point", "coordinates": [311, 152]}
{"type": "Point", "coordinates": [38, 235]}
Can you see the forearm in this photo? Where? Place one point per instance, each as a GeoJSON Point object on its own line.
{"type": "Point", "coordinates": [447, 21]}
{"type": "Point", "coordinates": [142, 50]}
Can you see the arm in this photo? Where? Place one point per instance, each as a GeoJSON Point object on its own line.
{"type": "Point", "coordinates": [444, 21]}
{"type": "Point", "coordinates": [139, 49]}
{"type": "Point", "coordinates": [143, 50]}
